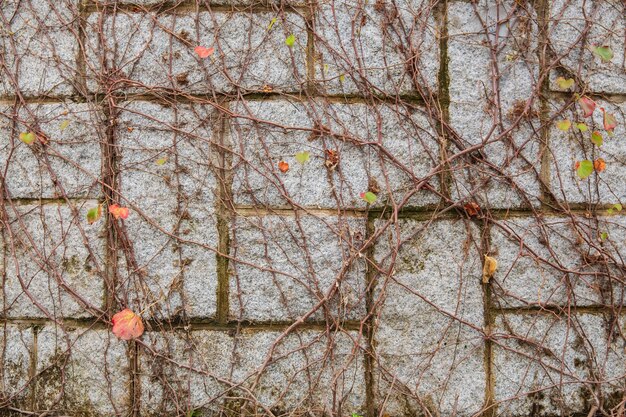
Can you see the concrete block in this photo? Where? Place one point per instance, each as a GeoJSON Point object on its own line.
{"type": "Point", "coordinates": [548, 365]}
{"type": "Point", "coordinates": [382, 48]}
{"type": "Point", "coordinates": [283, 267]}
{"type": "Point", "coordinates": [54, 262]}
{"type": "Point", "coordinates": [508, 171]}
{"type": "Point", "coordinates": [39, 44]}
{"type": "Point", "coordinates": [428, 335]}
{"type": "Point", "coordinates": [161, 56]}
{"type": "Point", "coordinates": [548, 261]}
{"type": "Point", "coordinates": [168, 180]}
{"type": "Point", "coordinates": [71, 161]}
{"type": "Point", "coordinates": [576, 28]}
{"type": "Point", "coordinates": [566, 148]}
{"type": "Point", "coordinates": [82, 372]}
{"type": "Point", "coordinates": [391, 147]}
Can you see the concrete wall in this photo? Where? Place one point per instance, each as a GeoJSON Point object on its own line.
{"type": "Point", "coordinates": [285, 293]}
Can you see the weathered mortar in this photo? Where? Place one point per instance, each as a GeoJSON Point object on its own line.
{"type": "Point", "coordinates": [286, 293]}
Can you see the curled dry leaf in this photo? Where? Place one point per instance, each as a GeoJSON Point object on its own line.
{"type": "Point", "coordinates": [489, 268]}
{"type": "Point", "coordinates": [609, 120]}
{"type": "Point", "coordinates": [471, 208]}
{"type": "Point", "coordinates": [283, 166]}
{"type": "Point", "coordinates": [127, 325]}
{"type": "Point", "coordinates": [332, 159]}
{"type": "Point", "coordinates": [118, 212]}
{"type": "Point", "coordinates": [204, 52]}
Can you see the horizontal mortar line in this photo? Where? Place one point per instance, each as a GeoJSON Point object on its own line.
{"type": "Point", "coordinates": [220, 97]}
{"type": "Point", "coordinates": [24, 201]}
{"type": "Point", "coordinates": [170, 6]}
{"type": "Point", "coordinates": [191, 325]}
{"type": "Point", "coordinates": [560, 309]}
{"type": "Point", "coordinates": [251, 211]}
{"type": "Point", "coordinates": [616, 98]}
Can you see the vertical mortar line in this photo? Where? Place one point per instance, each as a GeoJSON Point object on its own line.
{"type": "Point", "coordinates": [370, 286]}
{"type": "Point", "coordinates": [543, 17]}
{"type": "Point", "coordinates": [32, 371]}
{"type": "Point", "coordinates": [489, 325]}
{"type": "Point", "coordinates": [443, 95]}
{"type": "Point", "coordinates": [223, 205]}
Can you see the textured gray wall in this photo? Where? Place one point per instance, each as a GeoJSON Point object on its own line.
{"type": "Point", "coordinates": [284, 293]}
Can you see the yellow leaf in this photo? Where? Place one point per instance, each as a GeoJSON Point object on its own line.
{"type": "Point", "coordinates": [489, 268]}
{"type": "Point", "coordinates": [64, 124]}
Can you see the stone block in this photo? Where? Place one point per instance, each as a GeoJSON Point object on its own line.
{"type": "Point", "coordinates": [151, 56]}
{"type": "Point", "coordinates": [505, 120]}
{"type": "Point", "coordinates": [54, 261]}
{"type": "Point", "coordinates": [576, 29]}
{"type": "Point", "coordinates": [283, 267]}
{"type": "Point", "coordinates": [82, 373]}
{"type": "Point", "coordinates": [70, 163]}
{"type": "Point", "coordinates": [167, 174]}
{"type": "Point", "coordinates": [567, 148]}
{"type": "Point", "coordinates": [386, 48]}
{"type": "Point", "coordinates": [254, 371]}
{"type": "Point", "coordinates": [16, 352]}
{"type": "Point", "coordinates": [547, 365]}
{"type": "Point", "coordinates": [39, 43]}
{"type": "Point", "coordinates": [428, 336]}
{"type": "Point", "coordinates": [549, 261]}
{"type": "Point", "coordinates": [387, 149]}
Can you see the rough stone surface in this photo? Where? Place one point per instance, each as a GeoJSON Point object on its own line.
{"type": "Point", "coordinates": [69, 164]}
{"type": "Point", "coordinates": [378, 146]}
{"type": "Point", "coordinates": [82, 373]}
{"type": "Point", "coordinates": [577, 27]}
{"type": "Point", "coordinates": [547, 262]}
{"type": "Point", "coordinates": [161, 56]}
{"type": "Point", "coordinates": [569, 147]}
{"type": "Point", "coordinates": [54, 262]}
{"type": "Point", "coordinates": [548, 365]}
{"type": "Point", "coordinates": [306, 372]}
{"type": "Point", "coordinates": [39, 45]}
{"type": "Point", "coordinates": [15, 357]}
{"type": "Point", "coordinates": [168, 181]}
{"type": "Point", "coordinates": [428, 336]}
{"type": "Point", "coordinates": [382, 47]}
{"type": "Point", "coordinates": [473, 109]}
{"type": "Point", "coordinates": [284, 268]}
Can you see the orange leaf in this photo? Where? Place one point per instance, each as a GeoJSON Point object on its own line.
{"type": "Point", "coordinates": [599, 165]}
{"type": "Point", "coordinates": [283, 166]}
{"type": "Point", "coordinates": [204, 52]}
{"type": "Point", "coordinates": [127, 325]}
{"type": "Point", "coordinates": [118, 212]}
{"type": "Point", "coordinates": [471, 208]}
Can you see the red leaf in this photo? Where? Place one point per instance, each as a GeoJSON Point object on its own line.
{"type": "Point", "coordinates": [610, 122]}
{"type": "Point", "coordinates": [127, 325]}
{"type": "Point", "coordinates": [204, 52]}
{"type": "Point", "coordinates": [118, 212]}
{"type": "Point", "coordinates": [588, 106]}
{"type": "Point", "coordinates": [471, 208]}
{"type": "Point", "coordinates": [283, 166]}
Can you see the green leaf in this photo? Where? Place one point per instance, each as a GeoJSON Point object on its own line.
{"type": "Point", "coordinates": [161, 161]}
{"type": "Point", "coordinates": [617, 207]}
{"type": "Point", "coordinates": [596, 138]}
{"type": "Point", "coordinates": [94, 214]}
{"type": "Point", "coordinates": [369, 196]}
{"type": "Point", "coordinates": [342, 77]}
{"type": "Point", "coordinates": [356, 415]}
{"type": "Point", "coordinates": [584, 168]}
{"type": "Point", "coordinates": [564, 84]}
{"type": "Point", "coordinates": [303, 157]}
{"type": "Point", "coordinates": [604, 52]}
{"type": "Point", "coordinates": [604, 236]}
{"type": "Point", "coordinates": [272, 24]}
{"type": "Point", "coordinates": [564, 125]}
{"type": "Point", "coordinates": [291, 39]}
{"type": "Point", "coordinates": [27, 137]}
{"type": "Point", "coordinates": [582, 127]}
{"type": "Point", "coordinates": [194, 413]}
{"type": "Point", "coordinates": [64, 124]}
